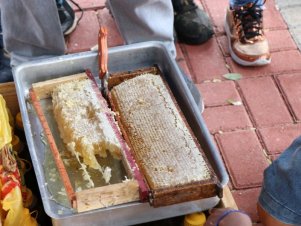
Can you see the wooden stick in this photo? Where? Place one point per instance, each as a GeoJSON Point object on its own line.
{"type": "Point", "coordinates": [228, 201]}
{"type": "Point", "coordinates": [55, 152]}
{"type": "Point", "coordinates": [106, 196]}
{"type": "Point", "coordinates": [44, 89]}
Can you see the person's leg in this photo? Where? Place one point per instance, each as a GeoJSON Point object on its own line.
{"type": "Point", "coordinates": [5, 69]}
{"type": "Point", "coordinates": [268, 220]}
{"type": "Point", "coordinates": [280, 200]}
{"type": "Point", "coordinates": [191, 23]}
{"type": "Point", "coordinates": [244, 2]}
{"type": "Point", "coordinates": [145, 20]}
{"type": "Point", "coordinates": [34, 33]}
{"type": "Point", "coordinates": [244, 28]}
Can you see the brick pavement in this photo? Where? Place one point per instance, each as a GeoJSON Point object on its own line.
{"type": "Point", "coordinates": [253, 134]}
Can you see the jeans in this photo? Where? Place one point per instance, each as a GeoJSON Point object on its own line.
{"type": "Point", "coordinates": [281, 191]}
{"type": "Point", "coordinates": [243, 2]}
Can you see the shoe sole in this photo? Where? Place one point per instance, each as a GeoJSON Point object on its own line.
{"type": "Point", "coordinates": [72, 28]}
{"type": "Point", "coordinates": [192, 41]}
{"type": "Point", "coordinates": [258, 62]}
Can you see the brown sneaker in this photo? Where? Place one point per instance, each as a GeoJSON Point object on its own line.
{"type": "Point", "coordinates": [247, 42]}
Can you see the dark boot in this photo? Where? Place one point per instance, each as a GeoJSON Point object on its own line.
{"type": "Point", "coordinates": [191, 23]}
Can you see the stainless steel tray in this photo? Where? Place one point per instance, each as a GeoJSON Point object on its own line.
{"type": "Point", "coordinates": [123, 58]}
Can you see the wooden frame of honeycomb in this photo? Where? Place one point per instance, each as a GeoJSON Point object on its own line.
{"type": "Point", "coordinates": [98, 197]}
{"type": "Point", "coordinates": [177, 191]}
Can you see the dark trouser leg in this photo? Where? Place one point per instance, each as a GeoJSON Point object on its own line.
{"type": "Point", "coordinates": [5, 70]}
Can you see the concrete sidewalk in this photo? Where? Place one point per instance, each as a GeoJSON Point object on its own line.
{"type": "Point", "coordinates": [290, 10]}
{"type": "Point", "coordinates": [251, 135]}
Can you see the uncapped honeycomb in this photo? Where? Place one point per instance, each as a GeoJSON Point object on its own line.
{"type": "Point", "coordinates": [83, 123]}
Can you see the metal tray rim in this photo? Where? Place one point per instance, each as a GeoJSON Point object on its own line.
{"type": "Point", "coordinates": [22, 96]}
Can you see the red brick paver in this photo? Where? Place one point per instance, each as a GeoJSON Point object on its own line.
{"type": "Point", "coordinates": [252, 134]}
{"type": "Point", "coordinates": [106, 20]}
{"type": "Point", "coordinates": [244, 158]}
{"type": "Point", "coordinates": [291, 87]}
{"type": "Point", "coordinates": [202, 63]}
{"type": "Point", "coordinates": [278, 138]}
{"type": "Point", "coordinates": [89, 4]}
{"type": "Point", "coordinates": [280, 40]}
{"type": "Point", "coordinates": [84, 37]}
{"type": "Point", "coordinates": [218, 93]}
{"type": "Point", "coordinates": [226, 118]}
{"type": "Point", "coordinates": [272, 18]}
{"type": "Point", "coordinates": [264, 101]}
{"type": "Point", "coordinates": [217, 14]}
{"type": "Point", "coordinates": [246, 201]}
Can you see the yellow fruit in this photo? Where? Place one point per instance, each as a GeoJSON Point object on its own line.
{"type": "Point", "coordinates": [5, 129]}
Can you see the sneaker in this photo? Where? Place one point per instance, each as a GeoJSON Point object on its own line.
{"type": "Point", "coordinates": [247, 42]}
{"type": "Point", "coordinates": [192, 24]}
{"type": "Point", "coordinates": [67, 17]}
